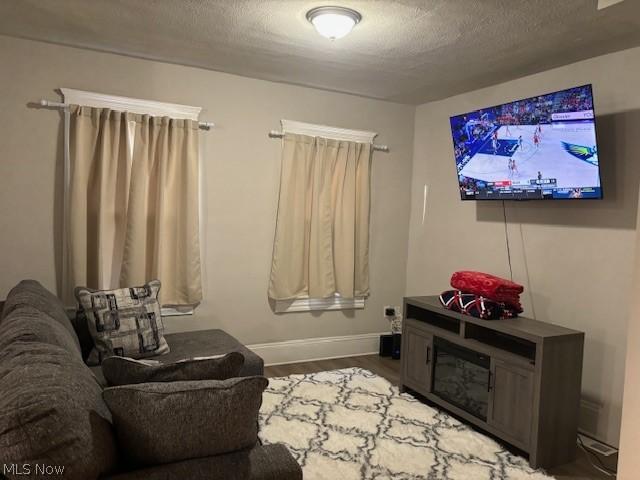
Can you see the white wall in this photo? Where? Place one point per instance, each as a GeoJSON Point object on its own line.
{"type": "Point", "coordinates": [241, 175]}
{"type": "Point", "coordinates": [574, 258]}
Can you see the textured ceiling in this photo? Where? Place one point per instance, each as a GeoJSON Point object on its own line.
{"type": "Point", "coordinates": [405, 50]}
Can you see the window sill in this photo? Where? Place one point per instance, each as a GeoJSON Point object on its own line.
{"type": "Point", "coordinates": [176, 311]}
{"type": "Point", "coordinates": [319, 304]}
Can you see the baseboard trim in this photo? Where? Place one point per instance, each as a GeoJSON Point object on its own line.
{"type": "Point", "coordinates": [313, 349]}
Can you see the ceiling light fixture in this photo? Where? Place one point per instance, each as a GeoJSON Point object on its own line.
{"type": "Point", "coordinates": [333, 22]}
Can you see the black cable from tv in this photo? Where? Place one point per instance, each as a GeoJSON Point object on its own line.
{"type": "Point", "coordinates": [506, 236]}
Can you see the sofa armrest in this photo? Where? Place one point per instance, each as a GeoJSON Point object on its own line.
{"type": "Point", "coordinates": [263, 462]}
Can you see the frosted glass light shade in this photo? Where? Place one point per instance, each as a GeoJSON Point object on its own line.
{"type": "Point", "coordinates": [333, 22]}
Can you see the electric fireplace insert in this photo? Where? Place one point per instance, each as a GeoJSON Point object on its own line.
{"type": "Point", "coordinates": [462, 377]}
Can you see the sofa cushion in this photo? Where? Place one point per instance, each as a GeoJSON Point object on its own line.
{"type": "Point", "coordinates": [169, 422]}
{"type": "Point", "coordinates": [203, 343]}
{"type": "Point", "coordinates": [124, 322]}
{"type": "Point", "coordinates": [264, 462]}
{"type": "Point", "coordinates": [31, 293]}
{"type": "Point", "coordinates": [51, 409]}
{"type": "Point", "coordinates": [27, 324]}
{"type": "Point", "coordinates": [128, 371]}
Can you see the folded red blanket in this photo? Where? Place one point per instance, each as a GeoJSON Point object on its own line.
{"type": "Point", "coordinates": [476, 305]}
{"type": "Point", "coordinates": [490, 286]}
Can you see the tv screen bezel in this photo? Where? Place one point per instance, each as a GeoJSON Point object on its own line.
{"type": "Point", "coordinates": [515, 199]}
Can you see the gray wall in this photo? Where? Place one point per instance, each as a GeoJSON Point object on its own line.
{"type": "Point", "coordinates": [241, 175]}
{"type": "Point", "coordinates": [574, 259]}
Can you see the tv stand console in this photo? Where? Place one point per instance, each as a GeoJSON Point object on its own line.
{"type": "Point", "coordinates": [517, 379]}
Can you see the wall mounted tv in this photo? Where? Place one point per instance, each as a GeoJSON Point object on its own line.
{"type": "Point", "coordinates": [541, 147]}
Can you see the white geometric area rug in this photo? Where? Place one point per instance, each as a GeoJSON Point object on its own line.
{"type": "Point", "coordinates": [351, 424]}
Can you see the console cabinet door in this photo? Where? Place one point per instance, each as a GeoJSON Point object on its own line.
{"type": "Point", "coordinates": [417, 355]}
{"type": "Point", "coordinates": [511, 401]}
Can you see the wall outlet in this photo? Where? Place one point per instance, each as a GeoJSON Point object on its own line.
{"type": "Point", "coordinates": [390, 311]}
{"type": "Point", "coordinates": [393, 314]}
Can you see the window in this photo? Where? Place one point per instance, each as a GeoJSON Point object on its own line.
{"type": "Point", "coordinates": [125, 224]}
{"type": "Point", "coordinates": [321, 248]}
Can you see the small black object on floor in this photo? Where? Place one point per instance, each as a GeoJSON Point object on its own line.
{"type": "Point", "coordinates": [390, 345]}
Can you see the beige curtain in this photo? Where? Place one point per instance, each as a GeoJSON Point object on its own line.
{"type": "Point", "coordinates": [133, 198]}
{"type": "Point", "coordinates": [321, 245]}
{"type": "Point", "coordinates": [162, 233]}
{"type": "Point", "coordinates": [97, 197]}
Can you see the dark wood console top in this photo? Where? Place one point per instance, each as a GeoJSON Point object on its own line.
{"type": "Point", "coordinates": [533, 330]}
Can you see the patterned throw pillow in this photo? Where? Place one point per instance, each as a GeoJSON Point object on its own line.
{"type": "Point", "coordinates": [125, 322]}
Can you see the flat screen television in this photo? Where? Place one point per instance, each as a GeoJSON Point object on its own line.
{"type": "Point", "coordinates": [541, 147]}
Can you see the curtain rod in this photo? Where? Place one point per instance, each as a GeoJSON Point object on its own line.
{"type": "Point", "coordinates": [49, 104]}
{"type": "Point", "coordinates": [379, 148]}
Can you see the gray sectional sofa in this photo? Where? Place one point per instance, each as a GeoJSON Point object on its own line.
{"type": "Point", "coordinates": [202, 343]}
{"type": "Point", "coordinates": [52, 411]}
